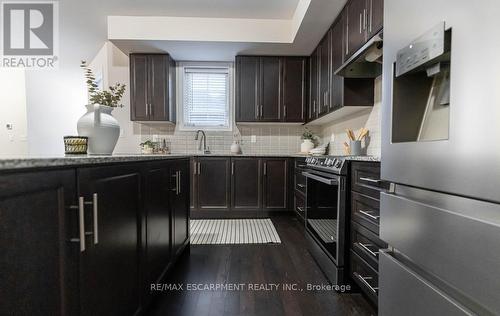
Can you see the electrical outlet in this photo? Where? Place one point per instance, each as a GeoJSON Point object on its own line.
{"type": "Point", "coordinates": [253, 139]}
{"type": "Point", "coordinates": [9, 126]}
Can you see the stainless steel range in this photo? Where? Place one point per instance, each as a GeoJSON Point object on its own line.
{"type": "Point", "coordinates": [325, 214]}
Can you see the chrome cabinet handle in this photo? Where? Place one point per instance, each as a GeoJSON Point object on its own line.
{"type": "Point", "coordinates": [176, 176]}
{"type": "Point", "coordinates": [363, 280]}
{"type": "Point", "coordinates": [364, 19]}
{"type": "Point", "coordinates": [284, 111]}
{"type": "Point", "coordinates": [261, 111]}
{"type": "Point", "coordinates": [96, 220]}
{"type": "Point", "coordinates": [370, 180]}
{"type": "Point", "coordinates": [374, 217]}
{"type": "Point", "coordinates": [301, 185]}
{"type": "Point", "coordinates": [81, 222]}
{"type": "Point", "coordinates": [365, 247]}
{"type": "Point", "coordinates": [265, 168]}
{"type": "Point", "coordinates": [199, 168]}
{"type": "Point", "coordinates": [232, 168]}
{"type": "Point", "coordinates": [178, 182]}
{"type": "Point", "coordinates": [360, 22]}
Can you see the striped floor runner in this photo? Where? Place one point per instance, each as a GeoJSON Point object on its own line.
{"type": "Point", "coordinates": [233, 231]}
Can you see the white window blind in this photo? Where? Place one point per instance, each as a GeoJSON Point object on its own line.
{"type": "Point", "coordinates": [206, 97]}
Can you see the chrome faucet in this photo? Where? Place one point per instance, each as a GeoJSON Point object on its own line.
{"type": "Point", "coordinates": [206, 150]}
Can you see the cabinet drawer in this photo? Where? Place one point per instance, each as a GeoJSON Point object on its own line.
{"type": "Point", "coordinates": [300, 182]}
{"type": "Point", "coordinates": [299, 205]}
{"type": "Point", "coordinates": [300, 163]}
{"type": "Point", "coordinates": [366, 178]}
{"type": "Point", "coordinates": [366, 244]}
{"type": "Point", "coordinates": [365, 211]}
{"type": "Point", "coordinates": [400, 287]}
{"type": "Point", "coordinates": [365, 276]}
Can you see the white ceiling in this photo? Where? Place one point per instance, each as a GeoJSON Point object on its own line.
{"type": "Point", "coordinates": [243, 9]}
{"type": "Point", "coordinates": [317, 19]}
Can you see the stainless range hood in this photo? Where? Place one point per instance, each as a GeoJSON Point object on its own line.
{"type": "Point", "coordinates": [366, 62]}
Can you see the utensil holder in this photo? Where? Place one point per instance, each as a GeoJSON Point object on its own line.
{"type": "Point", "coordinates": [355, 147]}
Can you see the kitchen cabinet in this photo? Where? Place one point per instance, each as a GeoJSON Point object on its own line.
{"type": "Point", "coordinates": [356, 26]}
{"type": "Point", "coordinates": [213, 178]}
{"type": "Point", "coordinates": [38, 263]}
{"type": "Point", "coordinates": [270, 89]}
{"type": "Point", "coordinates": [375, 9]}
{"type": "Point", "coordinates": [275, 187]}
{"type": "Point", "coordinates": [294, 89]}
{"type": "Point", "coordinates": [179, 201]}
{"type": "Point", "coordinates": [314, 84]}
{"type": "Point", "coordinates": [270, 80]}
{"type": "Point", "coordinates": [246, 184]}
{"type": "Point", "coordinates": [152, 87]}
{"type": "Point", "coordinates": [325, 59]}
{"type": "Point", "coordinates": [156, 231]}
{"type": "Point", "coordinates": [247, 88]}
{"type": "Point", "coordinates": [365, 242]}
{"type": "Point", "coordinates": [91, 239]}
{"type": "Point", "coordinates": [109, 271]}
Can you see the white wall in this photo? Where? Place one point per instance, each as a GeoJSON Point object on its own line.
{"type": "Point", "coordinates": [13, 111]}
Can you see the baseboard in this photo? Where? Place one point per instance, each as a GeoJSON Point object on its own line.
{"type": "Point", "coordinates": [237, 214]}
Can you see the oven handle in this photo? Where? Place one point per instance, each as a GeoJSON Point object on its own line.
{"type": "Point", "coordinates": [320, 179]}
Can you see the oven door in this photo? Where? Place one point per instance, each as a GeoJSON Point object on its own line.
{"type": "Point", "coordinates": [323, 218]}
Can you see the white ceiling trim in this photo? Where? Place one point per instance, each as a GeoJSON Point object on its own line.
{"type": "Point", "coordinates": [168, 28]}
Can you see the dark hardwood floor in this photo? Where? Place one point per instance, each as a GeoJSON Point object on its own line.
{"type": "Point", "coordinates": [286, 263]}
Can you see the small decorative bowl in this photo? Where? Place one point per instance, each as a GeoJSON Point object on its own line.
{"type": "Point", "coordinates": [75, 145]}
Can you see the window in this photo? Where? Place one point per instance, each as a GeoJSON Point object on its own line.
{"type": "Point", "coordinates": [206, 96]}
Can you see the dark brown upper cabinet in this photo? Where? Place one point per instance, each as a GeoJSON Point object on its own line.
{"type": "Point", "coordinates": [213, 181]}
{"type": "Point", "coordinates": [325, 56]}
{"type": "Point", "coordinates": [275, 188]}
{"type": "Point", "coordinates": [261, 95]}
{"type": "Point", "coordinates": [152, 87]}
{"type": "Point", "coordinates": [246, 184]}
{"type": "Point", "coordinates": [356, 26]}
{"type": "Point", "coordinates": [294, 89]}
{"type": "Point", "coordinates": [247, 88]}
{"type": "Point", "coordinates": [375, 17]}
{"type": "Point", "coordinates": [314, 84]}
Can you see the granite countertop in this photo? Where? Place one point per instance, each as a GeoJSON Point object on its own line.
{"type": "Point", "coordinates": [29, 162]}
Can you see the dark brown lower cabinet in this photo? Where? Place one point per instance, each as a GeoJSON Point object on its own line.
{"type": "Point", "coordinates": [156, 228]}
{"type": "Point", "coordinates": [38, 265]}
{"type": "Point", "coordinates": [246, 183]}
{"type": "Point", "coordinates": [275, 183]}
{"type": "Point", "coordinates": [213, 178]}
{"type": "Point", "coordinates": [134, 218]}
{"type": "Point", "coordinates": [109, 271]}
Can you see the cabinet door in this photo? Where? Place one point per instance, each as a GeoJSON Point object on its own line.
{"type": "Point", "coordinates": [337, 84]}
{"type": "Point", "coordinates": [313, 84]}
{"type": "Point", "coordinates": [139, 77]}
{"type": "Point", "coordinates": [275, 183]}
{"type": "Point", "coordinates": [247, 74]}
{"type": "Point", "coordinates": [270, 87]}
{"type": "Point", "coordinates": [375, 17]}
{"type": "Point", "coordinates": [294, 86]}
{"type": "Point", "coordinates": [180, 204]}
{"type": "Point", "coordinates": [325, 73]}
{"type": "Point", "coordinates": [38, 263]}
{"type": "Point", "coordinates": [213, 183]}
{"type": "Point", "coordinates": [109, 276]}
{"type": "Point", "coordinates": [246, 183]}
{"type": "Point", "coordinates": [158, 87]}
{"type": "Point", "coordinates": [356, 25]}
{"type": "Point", "coordinates": [157, 233]}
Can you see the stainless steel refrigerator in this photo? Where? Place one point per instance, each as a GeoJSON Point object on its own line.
{"type": "Point", "coordinates": [441, 152]}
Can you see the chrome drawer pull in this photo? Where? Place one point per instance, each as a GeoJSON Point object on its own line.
{"type": "Point", "coordinates": [374, 217]}
{"type": "Point", "coordinates": [301, 185]}
{"type": "Point", "coordinates": [300, 209]}
{"type": "Point", "coordinates": [365, 247]}
{"type": "Point", "coordinates": [363, 280]}
{"type": "Point", "coordinates": [95, 214]}
{"type": "Point", "coordinates": [370, 180]}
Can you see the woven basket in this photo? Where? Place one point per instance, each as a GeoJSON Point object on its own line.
{"type": "Point", "coordinates": [75, 145]}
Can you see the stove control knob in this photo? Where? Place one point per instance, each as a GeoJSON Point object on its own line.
{"type": "Point", "coordinates": [338, 163]}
